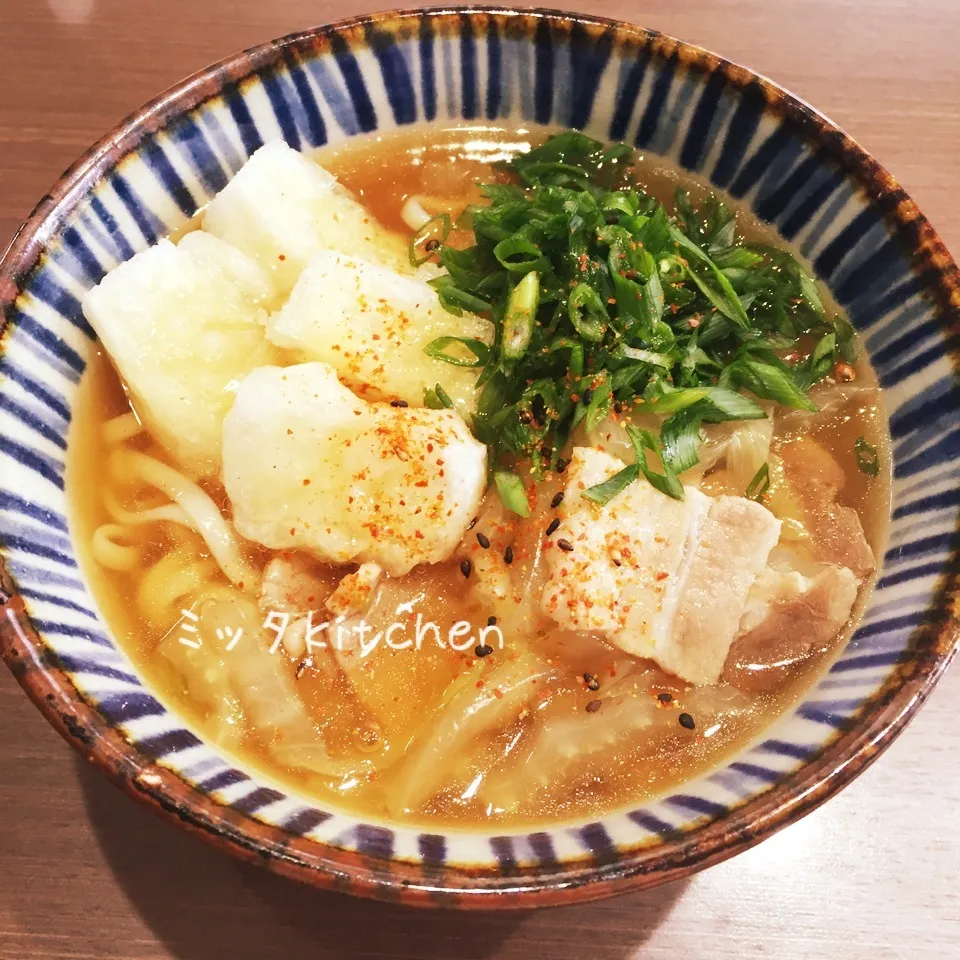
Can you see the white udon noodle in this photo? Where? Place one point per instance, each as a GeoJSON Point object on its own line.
{"type": "Point", "coordinates": [249, 677]}
{"type": "Point", "coordinates": [190, 507]}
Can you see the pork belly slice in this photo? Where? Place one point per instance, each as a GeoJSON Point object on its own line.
{"type": "Point", "coordinates": [812, 496]}
{"type": "Point", "coordinates": [733, 546]}
{"type": "Point", "coordinates": [660, 578]}
{"type": "Point", "coordinates": [789, 617]}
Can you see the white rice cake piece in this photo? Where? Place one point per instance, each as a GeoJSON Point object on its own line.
{"type": "Point", "coordinates": [183, 324]}
{"type": "Point", "coordinates": [281, 208]}
{"type": "Point", "coordinates": [308, 465]}
{"type": "Point", "coordinates": [372, 325]}
{"type": "Point", "coordinates": [663, 579]}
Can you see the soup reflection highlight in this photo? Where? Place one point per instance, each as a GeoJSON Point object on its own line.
{"type": "Point", "coordinates": [520, 514]}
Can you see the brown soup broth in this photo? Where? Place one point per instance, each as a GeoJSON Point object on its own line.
{"type": "Point", "coordinates": [484, 779]}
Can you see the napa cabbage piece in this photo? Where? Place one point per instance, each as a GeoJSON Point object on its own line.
{"type": "Point", "coordinates": [373, 326]}
{"type": "Point", "coordinates": [281, 208]}
{"type": "Point", "coordinates": [467, 712]}
{"type": "Point", "coordinates": [308, 465]}
{"type": "Point", "coordinates": [563, 746]}
{"type": "Point", "coordinates": [401, 659]}
{"type": "Point", "coordinates": [183, 323]}
{"type": "Point", "coordinates": [246, 688]}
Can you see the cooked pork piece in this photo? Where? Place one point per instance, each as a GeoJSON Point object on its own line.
{"type": "Point", "coordinates": [662, 578]}
{"type": "Point", "coordinates": [789, 616]}
{"type": "Point", "coordinates": [836, 534]}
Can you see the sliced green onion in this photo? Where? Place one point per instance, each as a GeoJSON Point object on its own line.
{"type": "Point", "coordinates": [868, 460]}
{"type": "Point", "coordinates": [726, 404]}
{"type": "Point", "coordinates": [576, 353]}
{"type": "Point", "coordinates": [519, 318]}
{"type": "Point", "coordinates": [519, 255]}
{"type": "Point", "coordinates": [824, 349]}
{"type": "Point", "coordinates": [436, 349]}
{"type": "Point", "coordinates": [604, 492]}
{"type": "Point", "coordinates": [675, 400]}
{"type": "Point", "coordinates": [512, 494]}
{"type": "Point", "coordinates": [648, 356]}
{"type": "Point", "coordinates": [599, 406]}
{"type": "Point", "coordinates": [760, 483]}
{"type": "Point", "coordinates": [436, 398]}
{"type": "Point", "coordinates": [636, 303]}
{"type": "Point", "coordinates": [587, 312]}
{"type": "Point", "coordinates": [808, 290]}
{"type": "Point", "coordinates": [772, 383]}
{"type": "Point", "coordinates": [666, 482]}
{"type": "Point", "coordinates": [435, 229]}
{"type": "Point", "coordinates": [679, 440]}
{"type": "Point", "coordinates": [711, 281]}
{"type": "Point", "coordinates": [455, 300]}
{"type": "Point", "coordinates": [652, 299]}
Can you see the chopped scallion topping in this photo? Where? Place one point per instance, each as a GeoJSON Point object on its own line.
{"type": "Point", "coordinates": [603, 298]}
{"type": "Point", "coordinates": [512, 493]}
{"type": "Point", "coordinates": [868, 460]}
{"type": "Point", "coordinates": [429, 238]}
{"type": "Point", "coordinates": [437, 349]}
{"type": "Point", "coordinates": [436, 398]}
{"type": "Point", "coordinates": [760, 483]}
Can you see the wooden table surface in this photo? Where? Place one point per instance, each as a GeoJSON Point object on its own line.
{"type": "Point", "coordinates": [875, 874]}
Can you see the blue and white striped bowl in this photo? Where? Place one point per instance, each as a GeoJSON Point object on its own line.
{"type": "Point", "coordinates": [863, 234]}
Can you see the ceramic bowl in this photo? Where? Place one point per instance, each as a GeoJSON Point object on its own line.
{"type": "Point", "coordinates": [793, 168]}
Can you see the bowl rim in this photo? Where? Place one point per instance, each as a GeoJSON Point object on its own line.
{"type": "Point", "coordinates": [80, 723]}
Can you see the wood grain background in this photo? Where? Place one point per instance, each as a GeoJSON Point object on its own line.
{"type": "Point", "coordinates": [874, 875]}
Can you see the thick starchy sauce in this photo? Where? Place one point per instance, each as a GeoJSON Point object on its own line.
{"type": "Point", "coordinates": [539, 779]}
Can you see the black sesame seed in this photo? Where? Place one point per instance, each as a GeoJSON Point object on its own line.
{"type": "Point", "coordinates": [665, 697]}
{"type": "Point", "coordinates": [594, 705]}
{"type": "Point", "coordinates": [557, 500]}
{"type": "Point", "coordinates": [587, 396]}
{"type": "Point", "coordinates": [552, 528]}
{"type": "Point", "coordinates": [483, 540]}
{"type": "Point", "coordinates": [399, 403]}
{"type": "Point", "coordinates": [491, 621]}
{"type": "Point", "coordinates": [565, 545]}
{"type": "Point", "coordinates": [526, 416]}
{"type": "Point", "coordinates": [591, 681]}
{"type": "Point", "coordinates": [484, 650]}
{"type": "Point", "coordinates": [618, 407]}
{"type": "Point", "coordinates": [432, 244]}
{"type": "Point", "coordinates": [465, 567]}
{"type": "Point", "coordinates": [508, 555]}
{"type": "Point", "coordinates": [686, 721]}
{"type": "Point", "coordinates": [562, 465]}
